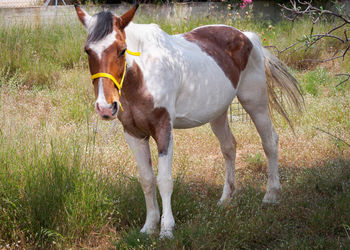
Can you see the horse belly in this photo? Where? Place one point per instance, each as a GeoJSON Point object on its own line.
{"type": "Point", "coordinates": [205, 94]}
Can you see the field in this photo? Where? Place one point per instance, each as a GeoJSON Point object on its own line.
{"type": "Point", "coordinates": [68, 179]}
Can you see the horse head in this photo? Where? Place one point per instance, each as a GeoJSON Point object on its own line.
{"type": "Point", "coordinates": [106, 48]}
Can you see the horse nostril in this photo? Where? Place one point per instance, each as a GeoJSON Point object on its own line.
{"type": "Point", "coordinates": [106, 112]}
{"type": "Point", "coordinates": [98, 107]}
{"type": "Point", "coordinates": [114, 108]}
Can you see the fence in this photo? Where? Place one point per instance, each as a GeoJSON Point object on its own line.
{"type": "Point", "coordinates": [175, 11]}
{"type": "Point", "coordinates": [20, 3]}
{"type": "Point", "coordinates": [237, 112]}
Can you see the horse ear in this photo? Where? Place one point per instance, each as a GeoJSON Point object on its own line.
{"type": "Point", "coordinates": [126, 18]}
{"type": "Point", "coordinates": [83, 16]}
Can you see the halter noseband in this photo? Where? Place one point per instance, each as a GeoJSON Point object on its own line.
{"type": "Point", "coordinates": [109, 76]}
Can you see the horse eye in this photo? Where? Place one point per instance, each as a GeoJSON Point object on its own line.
{"type": "Point", "coordinates": [122, 52]}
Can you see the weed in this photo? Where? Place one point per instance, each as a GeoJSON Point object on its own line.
{"type": "Point", "coordinates": [256, 163]}
{"type": "Point", "coordinates": [134, 240]}
{"type": "Point", "coordinates": [11, 81]}
{"type": "Point", "coordinates": [314, 79]}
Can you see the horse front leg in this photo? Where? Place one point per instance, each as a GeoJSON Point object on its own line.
{"type": "Point", "coordinates": [142, 154]}
{"type": "Point", "coordinates": [165, 182]}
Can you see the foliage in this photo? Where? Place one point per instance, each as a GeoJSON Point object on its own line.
{"type": "Point", "coordinates": [314, 79]}
{"type": "Point", "coordinates": [337, 32]}
{"type": "Point", "coordinates": [242, 3]}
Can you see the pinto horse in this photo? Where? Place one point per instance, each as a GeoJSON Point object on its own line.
{"type": "Point", "coordinates": [155, 82]}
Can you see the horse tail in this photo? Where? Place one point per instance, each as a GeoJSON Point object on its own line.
{"type": "Point", "coordinates": [289, 95]}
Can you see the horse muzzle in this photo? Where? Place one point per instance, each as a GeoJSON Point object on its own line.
{"type": "Point", "coordinates": [109, 112]}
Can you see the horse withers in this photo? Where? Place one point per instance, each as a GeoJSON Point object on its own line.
{"type": "Point", "coordinates": [155, 82]}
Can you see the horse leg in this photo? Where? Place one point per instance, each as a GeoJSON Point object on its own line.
{"type": "Point", "coordinates": [221, 129]}
{"type": "Point", "coordinates": [142, 154]}
{"type": "Point", "coordinates": [252, 94]}
{"type": "Point", "coordinates": [165, 186]}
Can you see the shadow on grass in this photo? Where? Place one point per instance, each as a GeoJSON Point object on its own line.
{"type": "Point", "coordinates": [314, 212]}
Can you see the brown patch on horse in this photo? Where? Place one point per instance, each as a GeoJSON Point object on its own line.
{"type": "Point", "coordinates": [140, 118]}
{"type": "Point", "coordinates": [229, 47]}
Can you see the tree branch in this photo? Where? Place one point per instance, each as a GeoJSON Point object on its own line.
{"type": "Point", "coordinates": [346, 79]}
{"type": "Point", "coordinates": [302, 8]}
{"type": "Point", "coordinates": [337, 138]}
{"type": "Point", "coordinates": [310, 10]}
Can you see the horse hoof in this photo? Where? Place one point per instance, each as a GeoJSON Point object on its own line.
{"type": "Point", "coordinates": [223, 203]}
{"type": "Point", "coordinates": [271, 197]}
{"type": "Point", "coordinates": [148, 230]}
{"type": "Point", "coordinates": [166, 234]}
{"type": "Point", "coordinates": [270, 202]}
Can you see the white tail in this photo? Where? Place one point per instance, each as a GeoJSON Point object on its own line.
{"type": "Point", "coordinates": [278, 77]}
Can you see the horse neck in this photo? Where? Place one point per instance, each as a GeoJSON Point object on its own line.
{"type": "Point", "coordinates": [135, 40]}
{"type": "Point", "coordinates": [141, 36]}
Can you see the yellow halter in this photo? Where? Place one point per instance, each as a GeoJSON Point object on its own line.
{"type": "Point", "coordinates": [109, 76]}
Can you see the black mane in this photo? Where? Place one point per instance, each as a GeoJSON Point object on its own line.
{"type": "Point", "coordinates": [103, 26]}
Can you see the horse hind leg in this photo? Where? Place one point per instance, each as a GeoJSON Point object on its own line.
{"type": "Point", "coordinates": [252, 94]}
{"type": "Point", "coordinates": [222, 131]}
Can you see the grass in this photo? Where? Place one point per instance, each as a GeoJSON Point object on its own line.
{"type": "Point", "coordinates": [39, 53]}
{"type": "Point", "coordinates": [68, 180]}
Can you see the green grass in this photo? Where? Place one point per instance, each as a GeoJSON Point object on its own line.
{"type": "Point", "coordinates": [39, 53]}
{"type": "Point", "coordinates": [315, 79]}
{"type": "Point", "coordinates": [68, 180]}
{"type": "Point", "coordinates": [53, 198]}
{"type": "Point", "coordinates": [50, 195]}
{"type": "Point", "coordinates": [307, 216]}
{"type": "Point", "coordinates": [45, 196]}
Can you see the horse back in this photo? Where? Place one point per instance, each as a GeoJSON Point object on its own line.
{"type": "Point", "coordinates": [229, 47]}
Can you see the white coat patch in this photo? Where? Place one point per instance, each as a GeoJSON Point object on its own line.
{"type": "Point", "coordinates": [180, 76]}
{"type": "Point", "coordinates": [100, 46]}
{"type": "Point", "coordinates": [101, 99]}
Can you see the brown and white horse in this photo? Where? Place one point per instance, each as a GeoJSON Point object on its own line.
{"type": "Point", "coordinates": [154, 82]}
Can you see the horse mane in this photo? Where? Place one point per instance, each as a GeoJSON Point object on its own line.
{"type": "Point", "coordinates": [102, 27]}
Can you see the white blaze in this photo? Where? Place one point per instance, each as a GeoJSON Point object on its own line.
{"type": "Point", "coordinates": [100, 46]}
{"type": "Point", "coordinates": [101, 99]}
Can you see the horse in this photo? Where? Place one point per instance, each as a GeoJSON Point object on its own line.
{"type": "Point", "coordinates": [154, 82]}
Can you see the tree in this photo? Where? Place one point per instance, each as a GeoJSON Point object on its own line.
{"type": "Point", "coordinates": [342, 23]}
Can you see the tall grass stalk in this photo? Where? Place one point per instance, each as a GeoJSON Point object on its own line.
{"type": "Point", "coordinates": [40, 53]}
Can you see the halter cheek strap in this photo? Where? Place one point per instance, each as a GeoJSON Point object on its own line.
{"type": "Point", "coordinates": [109, 76]}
